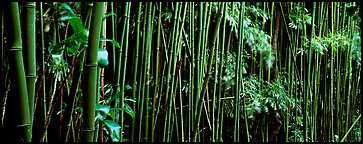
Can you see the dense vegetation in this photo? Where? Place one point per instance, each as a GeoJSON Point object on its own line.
{"type": "Point", "coordinates": [180, 71]}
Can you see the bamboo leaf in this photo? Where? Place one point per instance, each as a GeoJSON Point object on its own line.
{"type": "Point", "coordinates": [112, 41]}
{"type": "Point", "coordinates": [128, 110]}
{"type": "Point", "coordinates": [117, 95]}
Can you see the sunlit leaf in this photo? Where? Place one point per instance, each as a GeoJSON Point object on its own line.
{"type": "Point", "coordinates": [57, 58]}
{"type": "Point", "coordinates": [67, 7]}
{"type": "Point", "coordinates": [102, 111]}
{"type": "Point", "coordinates": [128, 87]}
{"type": "Point", "coordinates": [102, 58]}
{"type": "Point", "coordinates": [67, 17]}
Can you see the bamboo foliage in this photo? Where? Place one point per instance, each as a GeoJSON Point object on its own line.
{"type": "Point", "coordinates": [182, 71]}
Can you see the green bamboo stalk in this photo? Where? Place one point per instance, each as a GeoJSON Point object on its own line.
{"type": "Point", "coordinates": [135, 64]}
{"type": "Point", "coordinates": [156, 74]}
{"type": "Point", "coordinates": [89, 88]}
{"type": "Point", "coordinates": [197, 71]}
{"type": "Point", "coordinates": [349, 86]}
{"type": "Point", "coordinates": [191, 73]}
{"type": "Point", "coordinates": [96, 122]}
{"type": "Point", "coordinates": [23, 122]}
{"type": "Point", "coordinates": [166, 135]}
{"type": "Point", "coordinates": [142, 75]}
{"type": "Point", "coordinates": [174, 58]}
{"type": "Point", "coordinates": [212, 113]}
{"type": "Point", "coordinates": [68, 112]}
{"type": "Point", "coordinates": [29, 47]}
{"type": "Point", "coordinates": [220, 77]}
{"type": "Point", "coordinates": [117, 89]}
{"type": "Point", "coordinates": [201, 101]}
{"type": "Point", "coordinates": [43, 62]}
{"type": "Point", "coordinates": [113, 33]}
{"type": "Point", "coordinates": [331, 132]}
{"type": "Point", "coordinates": [309, 89]}
{"type": "Point", "coordinates": [147, 69]}
{"type": "Point", "coordinates": [355, 122]}
{"type": "Point", "coordinates": [126, 25]}
{"type": "Point", "coordinates": [100, 77]}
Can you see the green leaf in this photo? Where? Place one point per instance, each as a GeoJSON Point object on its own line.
{"type": "Point", "coordinates": [114, 130]}
{"type": "Point", "coordinates": [67, 17]}
{"type": "Point", "coordinates": [112, 41]}
{"type": "Point", "coordinates": [128, 110]}
{"type": "Point", "coordinates": [67, 7]}
{"type": "Point", "coordinates": [128, 87]}
{"type": "Point", "coordinates": [102, 111]}
{"type": "Point", "coordinates": [102, 58]}
{"type": "Point", "coordinates": [336, 138]}
{"type": "Point", "coordinates": [57, 58]}
{"type": "Point", "coordinates": [109, 14]}
{"type": "Point", "coordinates": [114, 97]}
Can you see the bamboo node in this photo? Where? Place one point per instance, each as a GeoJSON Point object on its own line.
{"type": "Point", "coordinates": [23, 125]}
{"type": "Point", "coordinates": [30, 6]}
{"type": "Point", "coordinates": [88, 130]}
{"type": "Point", "coordinates": [15, 49]}
{"type": "Point", "coordinates": [90, 65]}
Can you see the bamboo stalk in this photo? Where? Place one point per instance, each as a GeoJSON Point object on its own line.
{"type": "Point", "coordinates": [23, 121]}
{"type": "Point", "coordinates": [90, 73]}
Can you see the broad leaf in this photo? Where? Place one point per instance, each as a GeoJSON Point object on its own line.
{"type": "Point", "coordinates": [102, 58]}
{"type": "Point", "coordinates": [114, 130]}
{"type": "Point", "coordinates": [102, 111]}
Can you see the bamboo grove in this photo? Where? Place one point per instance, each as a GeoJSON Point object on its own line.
{"type": "Point", "coordinates": [180, 72]}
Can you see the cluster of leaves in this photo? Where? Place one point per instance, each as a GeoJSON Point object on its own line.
{"type": "Point", "coordinates": [253, 34]}
{"type": "Point", "coordinates": [80, 34]}
{"type": "Point", "coordinates": [356, 48]}
{"type": "Point", "coordinates": [107, 115]}
{"type": "Point", "coordinates": [74, 45]}
{"type": "Point", "coordinates": [257, 94]}
{"type": "Point", "coordinates": [336, 41]}
{"type": "Point", "coordinates": [298, 17]}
